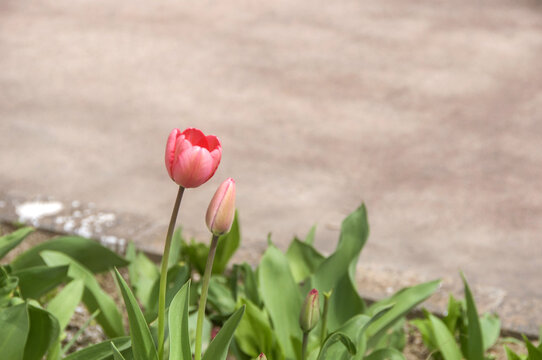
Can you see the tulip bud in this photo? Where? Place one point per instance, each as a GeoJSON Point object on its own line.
{"type": "Point", "coordinates": [261, 357]}
{"type": "Point", "coordinates": [310, 312]}
{"type": "Point", "coordinates": [221, 210]}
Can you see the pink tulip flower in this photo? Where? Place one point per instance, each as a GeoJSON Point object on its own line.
{"type": "Point", "coordinates": [221, 210]}
{"type": "Point", "coordinates": [192, 157]}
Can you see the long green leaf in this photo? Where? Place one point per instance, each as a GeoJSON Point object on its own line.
{"type": "Point", "coordinates": [337, 272]}
{"type": "Point", "coordinates": [475, 345]}
{"type": "Point", "coordinates": [533, 352]}
{"type": "Point", "coordinates": [281, 296]}
{"type": "Point", "coordinates": [385, 354]}
{"type": "Point", "coordinates": [254, 334]}
{"type": "Point", "coordinates": [14, 325]}
{"type": "Point", "coordinates": [510, 355]}
{"type": "Point", "coordinates": [63, 305]}
{"type": "Point", "coordinates": [309, 239]}
{"type": "Point", "coordinates": [176, 245]}
{"type": "Point", "coordinates": [43, 333]}
{"type": "Point", "coordinates": [177, 276]}
{"type": "Point", "coordinates": [142, 342]}
{"type": "Point", "coordinates": [490, 325]}
{"type": "Point", "coordinates": [101, 351]}
{"type": "Point", "coordinates": [303, 259]}
{"type": "Point", "coordinates": [39, 280]}
{"type": "Point", "coordinates": [92, 255]}
{"type": "Point", "coordinates": [179, 335]}
{"type": "Point", "coordinates": [334, 338]}
{"type": "Point", "coordinates": [116, 353]}
{"type": "Point", "coordinates": [10, 241]}
{"type": "Point", "coordinates": [79, 332]}
{"type": "Point", "coordinates": [445, 340]}
{"type": "Point", "coordinates": [218, 348]}
{"type": "Point", "coordinates": [93, 297]}
{"type": "Point", "coordinates": [220, 296]}
{"type": "Point", "coordinates": [146, 276]}
{"type": "Point", "coordinates": [403, 302]}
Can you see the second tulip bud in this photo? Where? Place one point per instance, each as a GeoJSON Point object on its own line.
{"type": "Point", "coordinates": [221, 210]}
{"type": "Point", "coordinates": [310, 312]}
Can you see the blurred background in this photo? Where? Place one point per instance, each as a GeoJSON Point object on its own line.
{"type": "Point", "coordinates": [430, 112]}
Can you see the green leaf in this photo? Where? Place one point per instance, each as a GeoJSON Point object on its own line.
{"type": "Point", "coordinates": [131, 257]}
{"type": "Point", "coordinates": [303, 259]}
{"type": "Point", "coordinates": [43, 333]}
{"type": "Point", "coordinates": [179, 343]}
{"type": "Point", "coordinates": [309, 239]}
{"type": "Point", "coordinates": [334, 338]}
{"type": "Point", "coordinates": [116, 353]}
{"type": "Point", "coordinates": [426, 330]}
{"type": "Point", "coordinates": [79, 332]}
{"type": "Point", "coordinates": [445, 340]}
{"type": "Point", "coordinates": [89, 253]}
{"type": "Point", "coordinates": [510, 355]}
{"type": "Point", "coordinates": [15, 325]}
{"type": "Point", "coordinates": [8, 285]}
{"type": "Point", "coordinates": [474, 341]}
{"type": "Point", "coordinates": [36, 281]}
{"type": "Point", "coordinates": [206, 331]}
{"type": "Point", "coordinates": [453, 314]}
{"type": "Point", "coordinates": [142, 342]}
{"type": "Point", "coordinates": [175, 249]}
{"type": "Point", "coordinates": [337, 272]}
{"type": "Point", "coordinates": [63, 305]}
{"type": "Point", "coordinates": [254, 334]}
{"type": "Point", "coordinates": [249, 286]}
{"type": "Point", "coordinates": [490, 325]}
{"type": "Point", "coordinates": [177, 276]}
{"type": "Point", "coordinates": [195, 254]}
{"type": "Point", "coordinates": [227, 245]}
{"type": "Point", "coordinates": [101, 351]}
{"type": "Point", "coordinates": [533, 352]}
{"type": "Point", "coordinates": [385, 354]}
{"type": "Point", "coordinates": [93, 296]}
{"type": "Point", "coordinates": [220, 296]}
{"type": "Point", "coordinates": [218, 348]}
{"type": "Point", "coordinates": [146, 275]}
{"type": "Point", "coordinates": [10, 241]}
{"type": "Point", "coordinates": [281, 297]}
{"type": "Point", "coordinates": [355, 329]}
{"type": "Point", "coordinates": [404, 300]}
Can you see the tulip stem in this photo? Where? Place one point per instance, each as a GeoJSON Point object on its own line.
{"type": "Point", "coordinates": [163, 275]}
{"type": "Point", "coordinates": [304, 346]}
{"type": "Point", "coordinates": [204, 291]}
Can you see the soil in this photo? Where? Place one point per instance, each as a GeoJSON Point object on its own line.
{"type": "Point", "coordinates": [414, 348]}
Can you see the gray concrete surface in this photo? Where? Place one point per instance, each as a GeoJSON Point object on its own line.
{"type": "Point", "coordinates": [430, 112]}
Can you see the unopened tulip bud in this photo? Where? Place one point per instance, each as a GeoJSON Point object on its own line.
{"type": "Point", "coordinates": [221, 210]}
{"type": "Point", "coordinates": [310, 312]}
{"type": "Point", "coordinates": [261, 357]}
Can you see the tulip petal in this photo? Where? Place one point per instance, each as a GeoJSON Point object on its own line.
{"type": "Point", "coordinates": [213, 143]}
{"type": "Point", "coordinates": [193, 167]}
{"type": "Point", "coordinates": [196, 137]}
{"type": "Point", "coordinates": [170, 150]}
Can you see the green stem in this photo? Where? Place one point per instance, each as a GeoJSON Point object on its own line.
{"type": "Point", "coordinates": [163, 275]}
{"type": "Point", "coordinates": [304, 346]}
{"type": "Point", "coordinates": [203, 298]}
{"type": "Point", "coordinates": [323, 333]}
